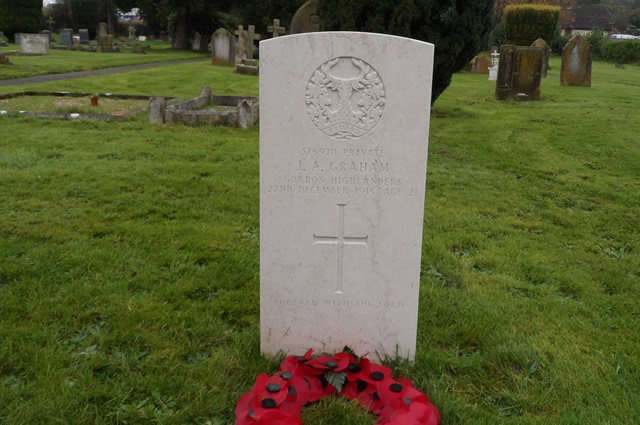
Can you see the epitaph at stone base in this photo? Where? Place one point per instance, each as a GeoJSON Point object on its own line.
{"type": "Point", "coordinates": [343, 149]}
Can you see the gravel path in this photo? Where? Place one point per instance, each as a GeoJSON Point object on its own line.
{"type": "Point", "coordinates": [90, 73]}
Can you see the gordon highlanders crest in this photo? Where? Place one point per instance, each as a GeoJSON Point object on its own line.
{"type": "Point", "coordinates": [345, 98]}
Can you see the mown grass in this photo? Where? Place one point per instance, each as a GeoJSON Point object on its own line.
{"type": "Point", "coordinates": [71, 104]}
{"type": "Point", "coordinates": [129, 260]}
{"type": "Point", "coordinates": [58, 61]}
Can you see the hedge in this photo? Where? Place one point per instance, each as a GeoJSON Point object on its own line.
{"type": "Point", "coordinates": [620, 51]}
{"type": "Point", "coordinates": [524, 24]}
{"type": "Point", "coordinates": [20, 16]}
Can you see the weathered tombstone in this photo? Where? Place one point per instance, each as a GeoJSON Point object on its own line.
{"type": "Point", "coordinates": [576, 63]}
{"type": "Point", "coordinates": [105, 43]}
{"type": "Point", "coordinates": [34, 44]}
{"type": "Point", "coordinates": [157, 106]}
{"type": "Point", "coordinates": [245, 114]}
{"type": "Point", "coordinates": [276, 29]}
{"type": "Point", "coordinates": [619, 66]}
{"type": "Point", "coordinates": [481, 65]}
{"type": "Point", "coordinates": [253, 37]}
{"type": "Point", "coordinates": [195, 45]}
{"type": "Point", "coordinates": [306, 18]}
{"type": "Point", "coordinates": [132, 33]}
{"type": "Point", "coordinates": [4, 43]}
{"type": "Point", "coordinates": [519, 73]}
{"type": "Point", "coordinates": [139, 49]}
{"type": "Point", "coordinates": [545, 55]}
{"type": "Point", "coordinates": [244, 45]}
{"type": "Point", "coordinates": [142, 38]}
{"type": "Point", "coordinates": [16, 38]}
{"type": "Point", "coordinates": [66, 36]}
{"type": "Point", "coordinates": [84, 36]}
{"type": "Point", "coordinates": [343, 154]}
{"type": "Point", "coordinates": [4, 60]}
{"type": "Point", "coordinates": [222, 48]}
{"type": "Point", "coordinates": [103, 29]}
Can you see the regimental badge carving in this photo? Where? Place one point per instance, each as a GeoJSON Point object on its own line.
{"type": "Point", "coordinates": [345, 98]}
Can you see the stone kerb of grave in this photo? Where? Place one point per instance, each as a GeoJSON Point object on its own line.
{"type": "Point", "coordinates": [343, 153]}
{"type": "Point", "coordinates": [248, 67]}
{"type": "Point", "coordinates": [34, 44]}
{"type": "Point", "coordinates": [576, 63]}
{"type": "Point", "coordinates": [519, 73]}
{"type": "Point", "coordinates": [238, 111]}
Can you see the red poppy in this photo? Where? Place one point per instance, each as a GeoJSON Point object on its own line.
{"type": "Point", "coordinates": [328, 363]}
{"type": "Point", "coordinates": [271, 388]}
{"type": "Point", "coordinates": [377, 373]}
{"type": "Point", "coordinates": [277, 417]}
{"type": "Point", "coordinates": [291, 363]}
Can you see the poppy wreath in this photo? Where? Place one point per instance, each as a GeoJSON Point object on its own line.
{"type": "Point", "coordinates": [279, 399]}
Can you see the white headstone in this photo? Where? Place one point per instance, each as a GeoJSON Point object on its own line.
{"type": "Point", "coordinates": [344, 126]}
{"type": "Point", "coordinates": [37, 44]}
{"type": "Point", "coordinates": [222, 48]}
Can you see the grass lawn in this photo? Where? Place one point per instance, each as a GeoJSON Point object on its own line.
{"type": "Point", "coordinates": [58, 61]}
{"type": "Point", "coordinates": [129, 283]}
{"type": "Point", "coordinates": [73, 104]}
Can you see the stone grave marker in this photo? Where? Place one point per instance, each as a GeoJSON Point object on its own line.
{"type": "Point", "coordinates": [50, 21]}
{"type": "Point", "coordinates": [66, 37]}
{"type": "Point", "coordinates": [344, 125]}
{"type": "Point", "coordinates": [132, 33]}
{"type": "Point", "coordinates": [4, 60]}
{"type": "Point", "coordinates": [276, 29]}
{"type": "Point", "coordinates": [105, 43]}
{"type": "Point", "coordinates": [519, 73]}
{"type": "Point", "coordinates": [248, 67]}
{"type": "Point", "coordinates": [222, 48]}
{"type": "Point", "coordinates": [306, 18]}
{"type": "Point", "coordinates": [493, 69]}
{"type": "Point", "coordinates": [253, 37]}
{"type": "Point", "coordinates": [16, 38]}
{"type": "Point", "coordinates": [102, 29]}
{"type": "Point", "coordinates": [545, 55]}
{"type": "Point", "coordinates": [34, 44]}
{"type": "Point", "coordinates": [244, 44]}
{"type": "Point", "coordinates": [84, 36]}
{"type": "Point", "coordinates": [481, 65]}
{"type": "Point", "coordinates": [197, 38]}
{"type": "Point", "coordinates": [576, 63]}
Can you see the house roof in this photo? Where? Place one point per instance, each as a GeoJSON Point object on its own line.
{"type": "Point", "coordinates": [592, 16]}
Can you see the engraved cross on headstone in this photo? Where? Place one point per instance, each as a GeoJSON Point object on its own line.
{"type": "Point", "coordinates": [340, 240]}
{"type": "Point", "coordinates": [276, 28]}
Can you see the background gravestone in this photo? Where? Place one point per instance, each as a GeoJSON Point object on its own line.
{"type": "Point", "coordinates": [344, 124]}
{"type": "Point", "coordinates": [481, 65]}
{"type": "Point", "coordinates": [545, 55]}
{"type": "Point", "coordinates": [306, 18]}
{"type": "Point", "coordinates": [84, 36]}
{"type": "Point", "coordinates": [105, 43]}
{"type": "Point", "coordinates": [34, 44]}
{"type": "Point", "coordinates": [66, 37]}
{"type": "Point", "coordinates": [16, 38]}
{"type": "Point", "coordinates": [244, 45]}
{"type": "Point", "coordinates": [197, 38]}
{"type": "Point", "coordinates": [222, 48]}
{"type": "Point", "coordinates": [576, 63]}
{"type": "Point", "coordinates": [519, 73]}
{"type": "Point", "coordinates": [102, 29]}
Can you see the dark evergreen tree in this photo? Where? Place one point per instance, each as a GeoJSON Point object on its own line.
{"type": "Point", "coordinates": [20, 16]}
{"type": "Point", "coordinates": [458, 28]}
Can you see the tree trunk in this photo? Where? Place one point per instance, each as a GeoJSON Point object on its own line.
{"type": "Point", "coordinates": [180, 40]}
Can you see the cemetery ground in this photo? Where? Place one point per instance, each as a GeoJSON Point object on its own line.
{"type": "Point", "coordinates": [129, 259]}
{"type": "Point", "coordinates": [59, 61]}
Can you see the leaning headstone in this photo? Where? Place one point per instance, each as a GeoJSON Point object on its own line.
{"type": "Point", "coordinates": [519, 73]}
{"type": "Point", "coordinates": [545, 55]}
{"type": "Point", "coordinates": [576, 63]}
{"type": "Point", "coordinates": [84, 36]}
{"type": "Point", "coordinates": [306, 18]}
{"type": "Point", "coordinates": [276, 29]}
{"type": "Point", "coordinates": [481, 65]}
{"type": "Point", "coordinates": [342, 191]}
{"type": "Point", "coordinates": [66, 37]}
{"type": "Point", "coordinates": [195, 45]}
{"type": "Point", "coordinates": [34, 44]}
{"type": "Point", "coordinates": [222, 48]}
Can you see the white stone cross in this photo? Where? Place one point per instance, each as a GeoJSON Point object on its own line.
{"type": "Point", "coordinates": [340, 240]}
{"type": "Point", "coordinates": [276, 28]}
